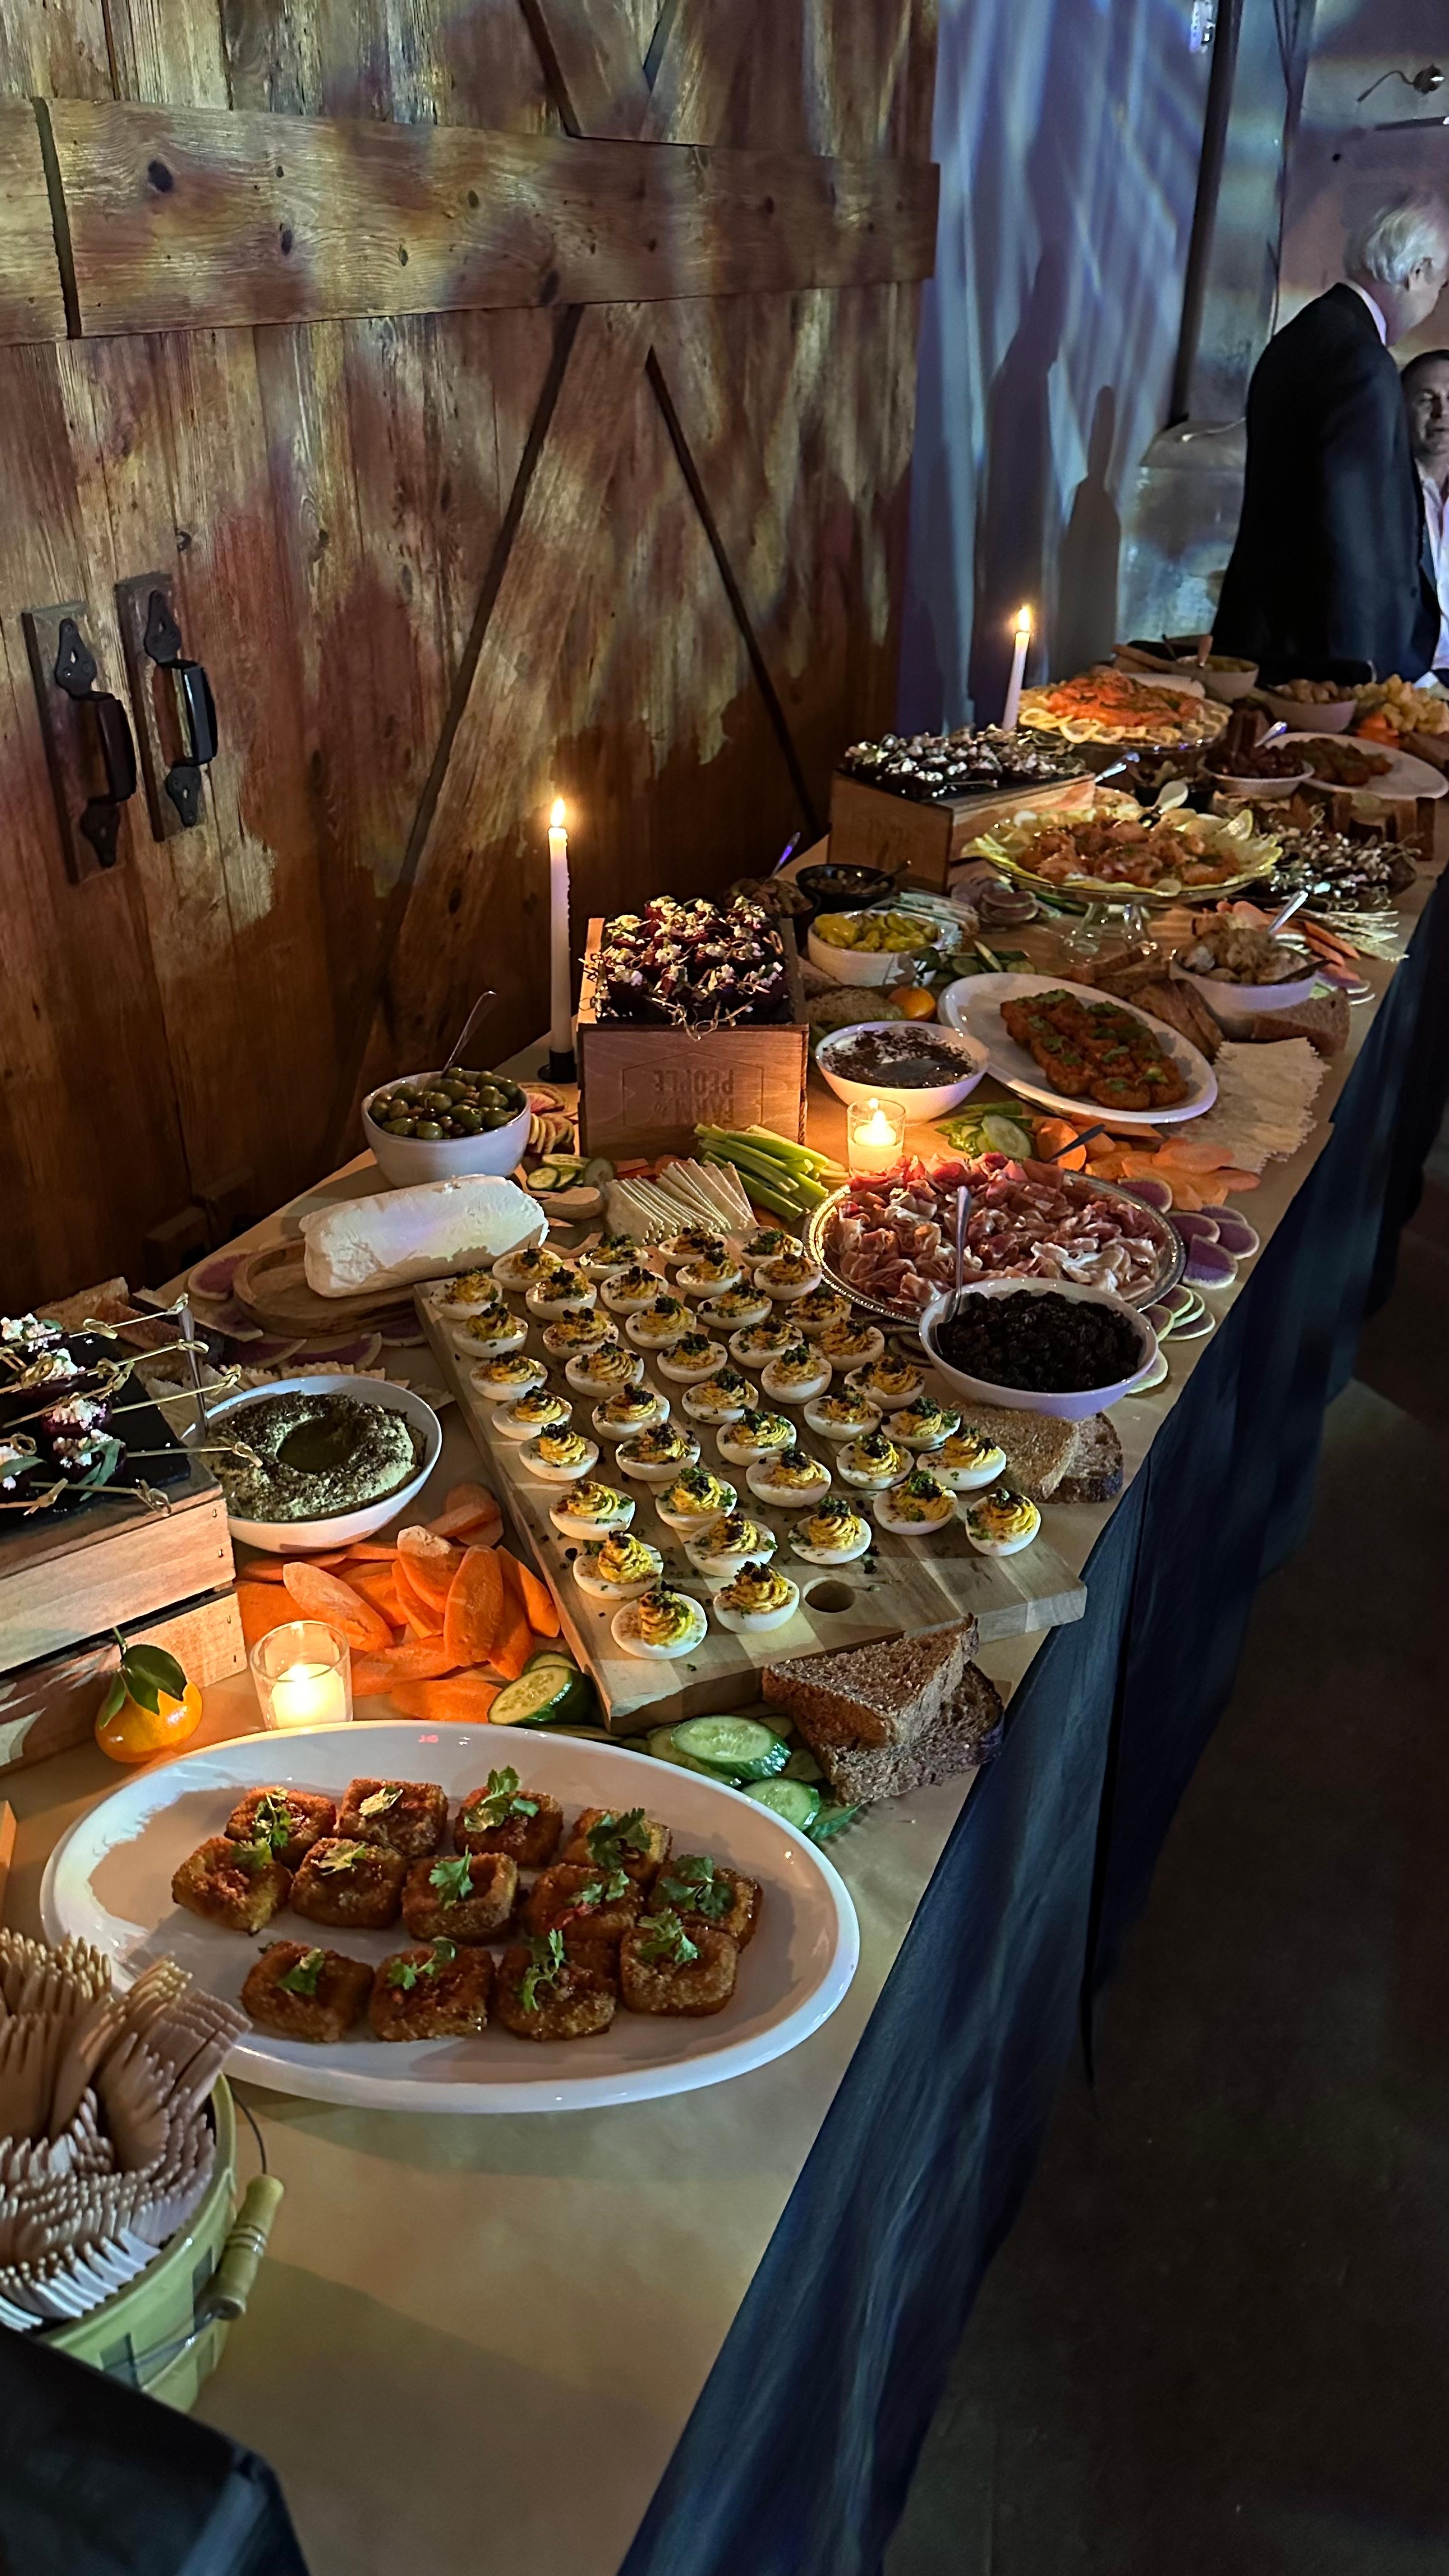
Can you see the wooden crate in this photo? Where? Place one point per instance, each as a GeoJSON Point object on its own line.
{"type": "Point", "coordinates": [643, 1091]}
{"type": "Point", "coordinates": [870, 828]}
{"type": "Point", "coordinates": [912, 1586]}
{"type": "Point", "coordinates": [48, 1705]}
{"type": "Point", "coordinates": [109, 1565]}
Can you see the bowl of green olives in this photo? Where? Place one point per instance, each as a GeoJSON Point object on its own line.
{"type": "Point", "coordinates": [431, 1126]}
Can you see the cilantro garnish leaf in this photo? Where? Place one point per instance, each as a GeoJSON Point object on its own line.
{"type": "Point", "coordinates": [381, 1799]}
{"type": "Point", "coordinates": [339, 1857]}
{"type": "Point", "coordinates": [301, 1978]}
{"type": "Point", "coordinates": [253, 1856]}
{"type": "Point", "coordinates": [694, 1883]}
{"type": "Point", "coordinates": [273, 1822]}
{"type": "Point", "coordinates": [613, 1838]}
{"type": "Point", "coordinates": [546, 1965]}
{"type": "Point", "coordinates": [452, 1879]}
{"type": "Point", "coordinates": [405, 1972]}
{"type": "Point", "coordinates": [601, 1891]}
{"type": "Point", "coordinates": [499, 1803]}
{"type": "Point", "coordinates": [663, 1938]}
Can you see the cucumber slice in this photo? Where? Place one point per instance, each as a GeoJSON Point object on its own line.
{"type": "Point", "coordinates": [831, 1821]}
{"type": "Point", "coordinates": [803, 1766]}
{"type": "Point", "coordinates": [794, 1801]}
{"type": "Point", "coordinates": [551, 1655]}
{"type": "Point", "coordinates": [598, 1173]}
{"type": "Point", "coordinates": [664, 1749]}
{"type": "Point", "coordinates": [739, 1746]}
{"type": "Point", "coordinates": [548, 1693]}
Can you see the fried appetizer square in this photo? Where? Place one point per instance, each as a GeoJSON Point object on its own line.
{"type": "Point", "coordinates": [437, 1993]}
{"type": "Point", "coordinates": [503, 1817]}
{"type": "Point", "coordinates": [409, 1816]}
{"type": "Point", "coordinates": [664, 1969]}
{"type": "Point", "coordinates": [589, 1907]}
{"type": "Point", "coordinates": [290, 1820]}
{"type": "Point", "coordinates": [541, 1993]}
{"type": "Point", "coordinates": [306, 1994]}
{"type": "Point", "coordinates": [706, 1894]}
{"type": "Point", "coordinates": [356, 1886]}
{"type": "Point", "coordinates": [470, 1898]}
{"type": "Point", "coordinates": [239, 1884]}
{"type": "Point", "coordinates": [613, 1838]}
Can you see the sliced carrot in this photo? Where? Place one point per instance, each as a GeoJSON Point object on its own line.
{"type": "Point", "coordinates": [261, 1569]}
{"type": "Point", "coordinates": [470, 1497]}
{"type": "Point", "coordinates": [473, 1619]}
{"type": "Point", "coordinates": [370, 1551]}
{"type": "Point", "coordinates": [464, 1699]}
{"type": "Point", "coordinates": [419, 1616]}
{"type": "Point", "coordinates": [538, 1601]}
{"type": "Point", "coordinates": [320, 1595]}
{"type": "Point", "coordinates": [479, 1529]}
{"type": "Point", "coordinates": [419, 1659]}
{"type": "Point", "coordinates": [431, 1564]}
{"type": "Point", "coordinates": [514, 1643]}
{"type": "Point", "coordinates": [378, 1584]}
{"type": "Point", "coordinates": [263, 1606]}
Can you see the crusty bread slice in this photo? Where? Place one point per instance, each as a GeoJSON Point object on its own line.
{"type": "Point", "coordinates": [1051, 1461]}
{"type": "Point", "coordinates": [956, 1741]}
{"type": "Point", "coordinates": [887, 1694]}
{"type": "Point", "coordinates": [1094, 1469]}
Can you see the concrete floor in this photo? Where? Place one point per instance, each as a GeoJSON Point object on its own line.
{"type": "Point", "coordinates": [1217, 2343]}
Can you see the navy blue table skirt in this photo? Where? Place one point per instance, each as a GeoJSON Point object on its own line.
{"type": "Point", "coordinates": [797, 2457]}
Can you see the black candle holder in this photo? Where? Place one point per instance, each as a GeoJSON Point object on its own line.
{"type": "Point", "coordinates": [561, 1068]}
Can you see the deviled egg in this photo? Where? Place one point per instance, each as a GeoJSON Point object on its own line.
{"type": "Point", "coordinates": [725, 1397]}
{"type": "Point", "coordinates": [728, 1543]}
{"type": "Point", "coordinates": [1001, 1522]}
{"type": "Point", "coordinates": [848, 1345]}
{"type": "Point", "coordinates": [967, 1460]}
{"type": "Point", "coordinates": [503, 1381]}
{"type": "Point", "coordinates": [632, 1289]}
{"type": "Point", "coordinates": [734, 1310]}
{"type": "Point", "coordinates": [617, 1568]}
{"type": "Point", "coordinates": [766, 1242]}
{"type": "Point", "coordinates": [630, 1409]}
{"type": "Point", "coordinates": [534, 1412]}
{"type": "Point", "coordinates": [887, 1383]}
{"type": "Point", "coordinates": [660, 1324]}
{"type": "Point", "coordinates": [695, 1497]}
{"type": "Point", "coordinates": [578, 1328]}
{"type": "Point", "coordinates": [612, 1254]}
{"type": "Point", "coordinates": [472, 1293]}
{"type": "Point", "coordinates": [591, 1510]}
{"type": "Point", "coordinates": [710, 1277]}
{"type": "Point", "coordinates": [562, 1290]}
{"type": "Point", "coordinates": [525, 1266]}
{"type": "Point", "coordinates": [655, 1457]}
{"type": "Point", "coordinates": [693, 1359]}
{"type": "Point", "coordinates": [833, 1533]}
{"type": "Point", "coordinates": [560, 1457]}
{"type": "Point", "coordinates": [756, 1435]}
{"type": "Point", "coordinates": [797, 1374]}
{"type": "Point", "coordinates": [787, 1275]}
{"type": "Point", "coordinates": [759, 1596]}
{"type": "Point", "coordinates": [792, 1478]}
{"type": "Point", "coordinates": [916, 1507]}
{"type": "Point", "coordinates": [694, 1243]}
{"type": "Point", "coordinates": [842, 1416]}
{"type": "Point", "coordinates": [924, 1424]}
{"type": "Point", "coordinates": [660, 1623]}
{"type": "Point", "coordinates": [820, 1307]}
{"type": "Point", "coordinates": [872, 1462]}
{"type": "Point", "coordinates": [605, 1371]}
{"type": "Point", "coordinates": [489, 1336]}
{"type": "Point", "coordinates": [757, 1343]}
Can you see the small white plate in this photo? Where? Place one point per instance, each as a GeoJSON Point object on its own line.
{"type": "Point", "coordinates": [1405, 776]}
{"type": "Point", "coordinates": [109, 1882]}
{"type": "Point", "coordinates": [974, 1005]}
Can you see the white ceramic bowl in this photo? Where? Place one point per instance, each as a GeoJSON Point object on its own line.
{"type": "Point", "coordinates": [296, 1538]}
{"type": "Point", "coordinates": [1065, 1407]}
{"type": "Point", "coordinates": [1300, 715]}
{"type": "Point", "coordinates": [402, 1160]}
{"type": "Point", "coordinates": [867, 965]}
{"type": "Point", "coordinates": [1263, 790]}
{"type": "Point", "coordinates": [919, 1104]}
{"type": "Point", "coordinates": [1248, 999]}
{"type": "Point", "coordinates": [1227, 686]}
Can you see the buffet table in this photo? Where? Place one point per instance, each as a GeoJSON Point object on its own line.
{"type": "Point", "coordinates": [731, 2313]}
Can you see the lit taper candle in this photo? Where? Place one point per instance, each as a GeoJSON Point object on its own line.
{"type": "Point", "coordinates": [1011, 713]}
{"type": "Point", "coordinates": [560, 1031]}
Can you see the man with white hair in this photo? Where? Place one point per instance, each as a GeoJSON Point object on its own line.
{"type": "Point", "coordinates": [1327, 569]}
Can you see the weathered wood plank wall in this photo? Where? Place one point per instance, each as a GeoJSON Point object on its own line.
{"type": "Point", "coordinates": [441, 563]}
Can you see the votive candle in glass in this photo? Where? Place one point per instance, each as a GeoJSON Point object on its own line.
{"type": "Point", "coordinates": [875, 1135]}
{"type": "Point", "coordinates": [302, 1674]}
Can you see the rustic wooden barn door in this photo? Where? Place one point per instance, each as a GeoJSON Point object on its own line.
{"type": "Point", "coordinates": [513, 400]}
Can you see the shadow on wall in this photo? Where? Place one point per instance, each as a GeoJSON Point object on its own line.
{"type": "Point", "coordinates": [1017, 487]}
{"type": "Point", "coordinates": [1090, 551]}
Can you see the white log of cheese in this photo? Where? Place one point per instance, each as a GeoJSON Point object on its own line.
{"type": "Point", "coordinates": [433, 1231]}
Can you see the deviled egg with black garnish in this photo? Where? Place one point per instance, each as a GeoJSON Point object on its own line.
{"type": "Point", "coordinates": [725, 1397]}
{"type": "Point", "coordinates": [474, 1292]}
{"type": "Point", "coordinates": [1001, 1522]}
{"type": "Point", "coordinates": [798, 1373]}
{"type": "Point", "coordinates": [872, 1462]}
{"type": "Point", "coordinates": [847, 1345]}
{"type": "Point", "coordinates": [603, 1371]}
{"type": "Point", "coordinates": [617, 1568]}
{"type": "Point", "coordinates": [842, 1416]}
{"type": "Point", "coordinates": [692, 1359]}
{"type": "Point", "coordinates": [916, 1507]}
{"type": "Point", "coordinates": [734, 1310]}
{"type": "Point", "coordinates": [578, 1329]}
{"type": "Point", "coordinates": [754, 1436]}
{"type": "Point", "coordinates": [924, 1424]}
{"type": "Point", "coordinates": [819, 1308]}
{"type": "Point", "coordinates": [694, 1243]}
{"type": "Point", "coordinates": [630, 1409]}
{"type": "Point", "coordinates": [758, 1597]}
{"type": "Point", "coordinates": [562, 1290]}
{"type": "Point", "coordinates": [786, 1276]}
{"type": "Point", "coordinates": [656, 1456]}
{"type": "Point", "coordinates": [660, 1623]}
{"type": "Point", "coordinates": [659, 1325]}
{"type": "Point", "coordinates": [709, 1277]}
{"type": "Point", "coordinates": [791, 1479]}
{"type": "Point", "coordinates": [832, 1533]}
{"type": "Point", "coordinates": [590, 1510]}
{"type": "Point", "coordinates": [489, 1336]}
{"type": "Point", "coordinates": [611, 1255]}
{"type": "Point", "coordinates": [888, 1383]}
{"type": "Point", "coordinates": [524, 1267]}
{"type": "Point", "coordinates": [631, 1290]}
{"type": "Point", "coordinates": [756, 1343]}
{"type": "Point", "coordinates": [728, 1543]}
{"type": "Point", "coordinates": [766, 1242]}
{"type": "Point", "coordinates": [967, 1461]}
{"type": "Point", "coordinates": [560, 1457]}
{"type": "Point", "coordinates": [504, 1380]}
{"type": "Point", "coordinates": [694, 1498]}
{"type": "Point", "coordinates": [537, 1411]}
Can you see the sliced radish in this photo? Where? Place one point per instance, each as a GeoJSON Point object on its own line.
{"type": "Point", "coordinates": [1234, 1233]}
{"type": "Point", "coordinates": [1160, 1318]}
{"type": "Point", "coordinates": [1196, 1226]}
{"type": "Point", "coordinates": [359, 1353]}
{"type": "Point", "coordinates": [232, 1321]}
{"type": "Point", "coordinates": [269, 1352]}
{"type": "Point", "coordinates": [1208, 1266]}
{"type": "Point", "coordinates": [1158, 1194]}
{"type": "Point", "coordinates": [213, 1278]}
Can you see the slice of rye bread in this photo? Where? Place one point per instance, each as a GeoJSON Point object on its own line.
{"type": "Point", "coordinates": [1051, 1461]}
{"type": "Point", "coordinates": [958, 1740]}
{"type": "Point", "coordinates": [892, 1693]}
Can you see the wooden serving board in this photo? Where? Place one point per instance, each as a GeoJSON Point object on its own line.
{"type": "Point", "coordinates": [272, 1286]}
{"type": "Point", "coordinates": [904, 1585]}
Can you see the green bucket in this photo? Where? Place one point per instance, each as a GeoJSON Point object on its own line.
{"type": "Point", "coordinates": [165, 2333]}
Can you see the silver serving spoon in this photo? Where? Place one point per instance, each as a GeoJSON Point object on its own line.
{"type": "Point", "coordinates": [1294, 904]}
{"type": "Point", "coordinates": [455, 1052]}
{"type": "Point", "coordinates": [963, 1210]}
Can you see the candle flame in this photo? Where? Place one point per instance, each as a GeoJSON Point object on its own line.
{"type": "Point", "coordinates": [1023, 620]}
{"type": "Point", "coordinates": [556, 815]}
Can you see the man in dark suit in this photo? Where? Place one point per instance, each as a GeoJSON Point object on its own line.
{"type": "Point", "coordinates": [1327, 566]}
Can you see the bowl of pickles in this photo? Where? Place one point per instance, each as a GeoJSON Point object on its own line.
{"type": "Point", "coordinates": [875, 946]}
{"type": "Point", "coordinates": [432, 1126]}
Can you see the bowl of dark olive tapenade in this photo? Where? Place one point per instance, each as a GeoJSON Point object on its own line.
{"type": "Point", "coordinates": [927, 1068]}
{"type": "Point", "coordinates": [1040, 1345]}
{"type": "Point", "coordinates": [310, 1462]}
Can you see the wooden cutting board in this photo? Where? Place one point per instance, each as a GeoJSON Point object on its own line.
{"type": "Point", "coordinates": [272, 1286]}
{"type": "Point", "coordinates": [913, 1584]}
